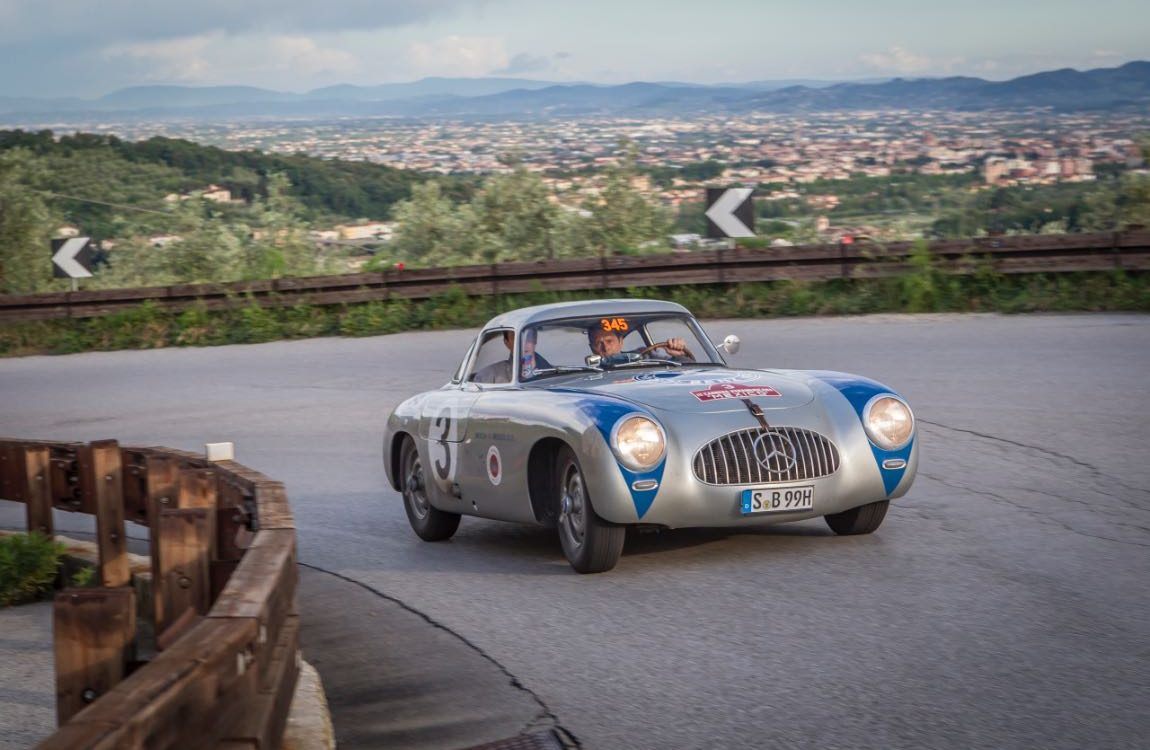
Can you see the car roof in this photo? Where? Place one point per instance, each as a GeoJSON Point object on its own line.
{"type": "Point", "coordinates": [526, 316]}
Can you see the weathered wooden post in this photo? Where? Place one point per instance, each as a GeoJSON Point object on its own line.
{"type": "Point", "coordinates": [232, 533]}
{"type": "Point", "coordinates": [93, 632]}
{"type": "Point", "coordinates": [185, 538]}
{"type": "Point", "coordinates": [38, 490]}
{"type": "Point", "coordinates": [102, 480]}
{"type": "Point", "coordinates": [10, 483]}
{"type": "Point", "coordinates": [162, 483]}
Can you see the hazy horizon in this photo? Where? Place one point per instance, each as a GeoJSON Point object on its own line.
{"type": "Point", "coordinates": [89, 48]}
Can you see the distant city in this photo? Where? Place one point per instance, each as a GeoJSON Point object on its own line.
{"type": "Point", "coordinates": [772, 151]}
{"type": "Point", "coordinates": [806, 150]}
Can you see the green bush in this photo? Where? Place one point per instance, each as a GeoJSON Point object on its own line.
{"type": "Point", "coordinates": [196, 327]}
{"type": "Point", "coordinates": [372, 319]}
{"type": "Point", "coordinates": [922, 288]}
{"type": "Point", "coordinates": [84, 577]}
{"type": "Point", "coordinates": [920, 285]}
{"type": "Point", "coordinates": [256, 324]}
{"type": "Point", "coordinates": [28, 566]}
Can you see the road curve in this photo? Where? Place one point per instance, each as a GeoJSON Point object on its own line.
{"type": "Point", "coordinates": [1002, 603]}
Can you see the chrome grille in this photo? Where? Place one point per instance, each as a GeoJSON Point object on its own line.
{"type": "Point", "coordinates": [758, 456]}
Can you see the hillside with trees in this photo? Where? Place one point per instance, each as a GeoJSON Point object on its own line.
{"type": "Point", "coordinates": [145, 202]}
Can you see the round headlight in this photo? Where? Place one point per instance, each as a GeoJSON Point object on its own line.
{"type": "Point", "coordinates": [639, 443]}
{"type": "Point", "coordinates": [888, 422]}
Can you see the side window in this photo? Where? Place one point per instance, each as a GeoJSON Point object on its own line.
{"type": "Point", "coordinates": [458, 376]}
{"type": "Point", "coordinates": [493, 361]}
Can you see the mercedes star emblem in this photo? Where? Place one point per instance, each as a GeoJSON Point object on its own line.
{"type": "Point", "coordinates": [775, 452]}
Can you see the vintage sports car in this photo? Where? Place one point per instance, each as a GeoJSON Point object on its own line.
{"type": "Point", "coordinates": [595, 416]}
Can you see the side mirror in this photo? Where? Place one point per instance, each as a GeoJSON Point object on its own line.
{"type": "Point", "coordinates": [593, 360]}
{"type": "Point", "coordinates": [731, 344]}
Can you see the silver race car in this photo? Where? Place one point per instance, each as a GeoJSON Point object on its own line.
{"type": "Point", "coordinates": [595, 416]}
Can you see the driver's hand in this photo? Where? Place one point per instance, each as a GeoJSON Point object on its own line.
{"type": "Point", "coordinates": [676, 347]}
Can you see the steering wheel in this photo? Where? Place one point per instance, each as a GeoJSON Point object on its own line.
{"type": "Point", "coordinates": [663, 345]}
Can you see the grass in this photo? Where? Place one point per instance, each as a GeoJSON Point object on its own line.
{"type": "Point", "coordinates": [922, 289]}
{"type": "Point", "coordinates": [28, 567]}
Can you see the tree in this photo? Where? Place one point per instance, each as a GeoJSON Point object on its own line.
{"type": "Point", "coordinates": [702, 171]}
{"type": "Point", "coordinates": [25, 228]}
{"type": "Point", "coordinates": [1128, 203]}
{"type": "Point", "coordinates": [516, 217]}
{"type": "Point", "coordinates": [282, 247]}
{"type": "Point", "coordinates": [622, 219]}
{"type": "Point", "coordinates": [433, 231]}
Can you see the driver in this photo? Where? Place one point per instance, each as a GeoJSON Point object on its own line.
{"type": "Point", "coordinates": [606, 343]}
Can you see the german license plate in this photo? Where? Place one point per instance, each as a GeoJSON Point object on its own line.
{"type": "Point", "coordinates": [774, 500]}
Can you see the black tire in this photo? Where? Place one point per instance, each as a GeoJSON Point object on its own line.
{"type": "Point", "coordinates": [861, 520]}
{"type": "Point", "coordinates": [590, 544]}
{"type": "Point", "coordinates": [429, 523]}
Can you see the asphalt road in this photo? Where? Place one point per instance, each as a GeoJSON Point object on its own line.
{"type": "Point", "coordinates": [1003, 603]}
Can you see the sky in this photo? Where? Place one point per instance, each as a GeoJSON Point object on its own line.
{"type": "Point", "coordinates": [88, 48]}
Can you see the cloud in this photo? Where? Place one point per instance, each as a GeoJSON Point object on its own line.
{"type": "Point", "coordinates": [304, 56]}
{"type": "Point", "coordinates": [897, 60]}
{"type": "Point", "coordinates": [185, 60]}
{"type": "Point", "coordinates": [525, 63]}
{"type": "Point", "coordinates": [102, 22]}
{"type": "Point", "coordinates": [214, 57]}
{"type": "Point", "coordinates": [458, 56]}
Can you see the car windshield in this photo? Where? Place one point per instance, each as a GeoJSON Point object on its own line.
{"type": "Point", "coordinates": [612, 341]}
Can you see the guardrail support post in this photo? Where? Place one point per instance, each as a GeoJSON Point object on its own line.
{"type": "Point", "coordinates": [184, 539]}
{"type": "Point", "coordinates": [162, 481]}
{"type": "Point", "coordinates": [104, 477]}
{"type": "Point", "coordinates": [9, 474]}
{"type": "Point", "coordinates": [93, 631]}
{"type": "Point", "coordinates": [38, 489]}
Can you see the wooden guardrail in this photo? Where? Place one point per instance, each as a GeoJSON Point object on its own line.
{"type": "Point", "coordinates": [218, 666]}
{"type": "Point", "coordinates": [1105, 251]}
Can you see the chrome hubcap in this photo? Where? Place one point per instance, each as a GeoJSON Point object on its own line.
{"type": "Point", "coordinates": [415, 492]}
{"type": "Point", "coordinates": [573, 504]}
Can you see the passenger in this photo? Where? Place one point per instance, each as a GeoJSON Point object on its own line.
{"type": "Point", "coordinates": [500, 372]}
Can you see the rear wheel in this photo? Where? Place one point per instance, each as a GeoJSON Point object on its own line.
{"type": "Point", "coordinates": [861, 520]}
{"type": "Point", "coordinates": [431, 524]}
{"type": "Point", "coordinates": [591, 544]}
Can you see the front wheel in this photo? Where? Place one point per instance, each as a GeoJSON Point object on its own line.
{"type": "Point", "coordinates": [861, 520]}
{"type": "Point", "coordinates": [430, 524]}
{"type": "Point", "coordinates": [590, 544]}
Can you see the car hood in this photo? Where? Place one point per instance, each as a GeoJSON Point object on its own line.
{"type": "Point", "coordinates": [700, 391]}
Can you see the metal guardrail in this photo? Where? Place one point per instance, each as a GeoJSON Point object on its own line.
{"type": "Point", "coordinates": [213, 659]}
{"type": "Point", "coordinates": [1104, 251]}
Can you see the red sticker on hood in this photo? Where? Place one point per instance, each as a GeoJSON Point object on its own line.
{"type": "Point", "coordinates": [720, 391]}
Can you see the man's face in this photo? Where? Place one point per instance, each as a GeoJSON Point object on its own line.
{"type": "Point", "coordinates": [606, 343]}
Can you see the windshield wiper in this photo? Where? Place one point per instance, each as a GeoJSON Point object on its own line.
{"type": "Point", "coordinates": [646, 361]}
{"type": "Point", "coordinates": [564, 369]}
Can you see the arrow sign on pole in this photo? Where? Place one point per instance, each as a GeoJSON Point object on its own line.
{"type": "Point", "coordinates": [730, 213]}
{"type": "Point", "coordinates": [72, 258]}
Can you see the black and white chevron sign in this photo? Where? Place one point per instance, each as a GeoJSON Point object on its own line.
{"type": "Point", "coordinates": [730, 213]}
{"type": "Point", "coordinates": [72, 258]}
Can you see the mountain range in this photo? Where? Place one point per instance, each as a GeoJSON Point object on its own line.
{"type": "Point", "coordinates": [1122, 88]}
